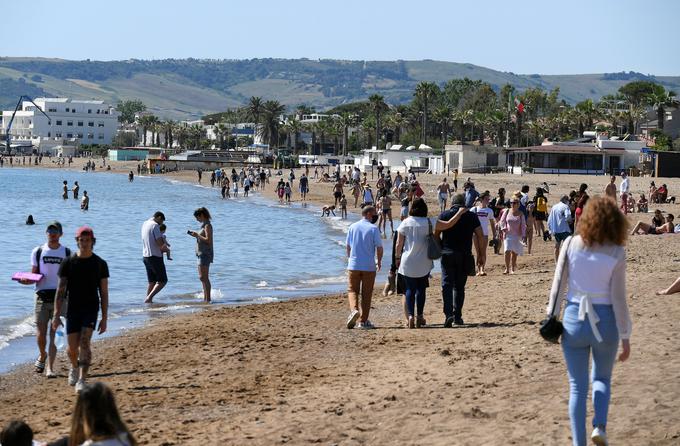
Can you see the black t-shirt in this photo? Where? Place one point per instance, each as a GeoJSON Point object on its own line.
{"type": "Point", "coordinates": [459, 237]}
{"type": "Point", "coordinates": [303, 181]}
{"type": "Point", "coordinates": [84, 276]}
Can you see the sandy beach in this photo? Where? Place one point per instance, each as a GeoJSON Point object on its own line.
{"type": "Point", "coordinates": [290, 372]}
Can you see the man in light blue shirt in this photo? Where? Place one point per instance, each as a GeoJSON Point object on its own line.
{"type": "Point", "coordinates": [558, 223]}
{"type": "Point", "coordinates": [363, 241]}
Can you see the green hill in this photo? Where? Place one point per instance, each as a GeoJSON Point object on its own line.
{"type": "Point", "coordinates": [188, 88]}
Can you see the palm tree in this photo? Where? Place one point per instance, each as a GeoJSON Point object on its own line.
{"type": "Point", "coordinates": [378, 107]}
{"type": "Point", "coordinates": [168, 126]}
{"type": "Point", "coordinates": [221, 129]}
{"type": "Point", "coordinates": [146, 121]}
{"type": "Point", "coordinates": [182, 134]}
{"type": "Point", "coordinates": [322, 128]}
{"type": "Point", "coordinates": [443, 115]}
{"type": "Point", "coordinates": [426, 93]}
{"type": "Point", "coordinates": [294, 127]}
{"type": "Point", "coordinates": [271, 122]}
{"type": "Point", "coordinates": [346, 120]}
{"type": "Point", "coordinates": [196, 133]}
{"type": "Point", "coordinates": [254, 110]}
{"type": "Point", "coordinates": [396, 122]}
{"type": "Point", "coordinates": [588, 112]}
{"type": "Point", "coordinates": [661, 99]}
{"type": "Point", "coordinates": [335, 129]}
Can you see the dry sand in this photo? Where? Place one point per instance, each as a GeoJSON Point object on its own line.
{"type": "Point", "coordinates": [291, 373]}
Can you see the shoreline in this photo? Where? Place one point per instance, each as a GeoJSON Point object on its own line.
{"type": "Point", "coordinates": [290, 372]}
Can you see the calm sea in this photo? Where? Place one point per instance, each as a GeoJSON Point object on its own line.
{"type": "Point", "coordinates": [264, 252]}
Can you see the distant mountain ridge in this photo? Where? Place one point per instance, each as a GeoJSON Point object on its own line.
{"type": "Point", "coordinates": [189, 88]}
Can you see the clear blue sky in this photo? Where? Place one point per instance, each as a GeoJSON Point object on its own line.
{"type": "Point", "coordinates": [546, 37]}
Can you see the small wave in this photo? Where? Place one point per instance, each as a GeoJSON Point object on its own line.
{"type": "Point", "coordinates": [324, 280]}
{"type": "Point", "coordinates": [214, 294]}
{"type": "Point", "coordinates": [23, 328]}
{"type": "Point", "coordinates": [158, 309]}
{"type": "Point", "coordinates": [265, 299]}
{"type": "Point", "coordinates": [261, 284]}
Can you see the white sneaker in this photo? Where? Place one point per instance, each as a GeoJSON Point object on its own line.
{"type": "Point", "coordinates": [599, 436]}
{"type": "Point", "coordinates": [72, 376]}
{"type": "Point", "coordinates": [352, 319]}
{"type": "Point", "coordinates": [80, 385]}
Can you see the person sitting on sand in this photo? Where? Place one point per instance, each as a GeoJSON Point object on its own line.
{"type": "Point", "coordinates": [96, 420]}
{"type": "Point", "coordinates": [644, 228]}
{"type": "Point", "coordinates": [661, 194]}
{"type": "Point", "coordinates": [642, 204]}
{"type": "Point", "coordinates": [674, 288]}
{"type": "Point", "coordinates": [326, 211]}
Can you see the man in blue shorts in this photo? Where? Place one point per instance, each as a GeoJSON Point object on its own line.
{"type": "Point", "coordinates": [85, 277]}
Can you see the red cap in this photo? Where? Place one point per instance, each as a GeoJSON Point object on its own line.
{"type": "Point", "coordinates": [84, 230]}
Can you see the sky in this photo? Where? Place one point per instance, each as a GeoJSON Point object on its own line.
{"type": "Point", "coordinates": [524, 37]}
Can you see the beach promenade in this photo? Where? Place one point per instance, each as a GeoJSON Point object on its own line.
{"type": "Point", "coordinates": [291, 373]}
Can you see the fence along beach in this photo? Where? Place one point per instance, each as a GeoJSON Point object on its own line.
{"type": "Point", "coordinates": [291, 372]}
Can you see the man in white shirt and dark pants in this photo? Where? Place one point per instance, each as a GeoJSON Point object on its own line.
{"type": "Point", "coordinates": [625, 190]}
{"type": "Point", "coordinates": [153, 246]}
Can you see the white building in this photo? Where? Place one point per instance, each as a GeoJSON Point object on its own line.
{"type": "Point", "coordinates": [87, 122]}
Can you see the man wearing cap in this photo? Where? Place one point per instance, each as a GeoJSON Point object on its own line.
{"type": "Point", "coordinates": [45, 260]}
{"type": "Point", "coordinates": [85, 276]}
{"type": "Point", "coordinates": [153, 246]}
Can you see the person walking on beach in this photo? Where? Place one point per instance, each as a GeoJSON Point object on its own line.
{"type": "Point", "coordinates": [85, 277]}
{"type": "Point", "coordinates": [456, 252]}
{"type": "Point", "coordinates": [488, 224]}
{"type": "Point", "coordinates": [444, 190]}
{"type": "Point", "coordinates": [76, 188]}
{"type": "Point", "coordinates": [558, 223]}
{"type": "Point", "coordinates": [131, 176]}
{"type": "Point", "coordinates": [514, 226]}
{"type": "Point", "coordinates": [204, 249]}
{"type": "Point", "coordinates": [153, 246]}
{"type": "Point", "coordinates": [200, 174]}
{"type": "Point", "coordinates": [610, 189]}
{"type": "Point", "coordinates": [304, 186]}
{"type": "Point", "coordinates": [45, 260]}
{"type": "Point", "coordinates": [625, 190]}
{"type": "Point", "coordinates": [592, 268]}
{"type": "Point", "coordinates": [64, 194]}
{"type": "Point", "coordinates": [363, 243]}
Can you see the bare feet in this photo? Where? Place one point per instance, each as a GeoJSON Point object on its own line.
{"type": "Point", "coordinates": [662, 292]}
{"type": "Point", "coordinates": [148, 301]}
{"type": "Point", "coordinates": [505, 271]}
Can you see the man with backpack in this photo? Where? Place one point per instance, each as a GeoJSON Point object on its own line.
{"type": "Point", "coordinates": [45, 260]}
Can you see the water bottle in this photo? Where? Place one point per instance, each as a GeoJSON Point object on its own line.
{"type": "Point", "coordinates": [60, 335]}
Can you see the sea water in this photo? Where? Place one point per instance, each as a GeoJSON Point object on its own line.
{"type": "Point", "coordinates": [264, 251]}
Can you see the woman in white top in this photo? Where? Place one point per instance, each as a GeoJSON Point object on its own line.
{"type": "Point", "coordinates": [486, 219]}
{"type": "Point", "coordinates": [96, 421]}
{"type": "Point", "coordinates": [592, 270]}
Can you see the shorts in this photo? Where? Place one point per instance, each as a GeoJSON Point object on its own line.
{"type": "Point", "coordinates": [540, 216]}
{"type": "Point", "coordinates": [337, 194]}
{"type": "Point", "coordinates": [204, 259]}
{"type": "Point", "coordinates": [304, 190]}
{"type": "Point", "coordinates": [387, 211]}
{"type": "Point", "coordinates": [443, 196]}
{"type": "Point", "coordinates": [651, 230]}
{"type": "Point", "coordinates": [78, 320]}
{"type": "Point", "coordinates": [155, 270]}
{"type": "Point", "coordinates": [560, 237]}
{"type": "Point", "coordinates": [44, 306]}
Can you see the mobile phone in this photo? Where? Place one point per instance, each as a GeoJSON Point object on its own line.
{"type": "Point", "coordinates": [190, 232]}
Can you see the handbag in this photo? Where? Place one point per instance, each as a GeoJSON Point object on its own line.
{"type": "Point", "coordinates": [434, 249]}
{"type": "Point", "coordinates": [551, 328]}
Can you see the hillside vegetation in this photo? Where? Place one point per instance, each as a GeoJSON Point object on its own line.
{"type": "Point", "coordinates": [189, 88]}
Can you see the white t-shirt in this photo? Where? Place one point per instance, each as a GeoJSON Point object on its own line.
{"type": "Point", "coordinates": [484, 215]}
{"type": "Point", "coordinates": [150, 233]}
{"type": "Point", "coordinates": [625, 186]}
{"type": "Point", "coordinates": [414, 260]}
{"type": "Point", "coordinates": [50, 259]}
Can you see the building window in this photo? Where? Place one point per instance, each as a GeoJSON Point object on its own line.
{"type": "Point", "coordinates": [52, 110]}
{"type": "Point", "coordinates": [68, 109]}
{"type": "Point", "coordinates": [106, 112]}
{"type": "Point", "coordinates": [97, 111]}
{"type": "Point", "coordinates": [100, 124]}
{"type": "Point", "coordinates": [80, 123]}
{"type": "Point", "coordinates": [90, 124]}
{"type": "Point", "coordinates": [69, 123]}
{"type": "Point", "coordinates": [59, 122]}
{"type": "Point", "coordinates": [100, 136]}
{"type": "Point", "coordinates": [89, 110]}
{"type": "Point", "coordinates": [49, 134]}
{"type": "Point", "coordinates": [69, 135]}
{"type": "Point", "coordinates": [73, 110]}
{"type": "Point", "coordinates": [57, 135]}
{"type": "Point", "coordinates": [90, 136]}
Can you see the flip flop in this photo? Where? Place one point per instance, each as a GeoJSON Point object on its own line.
{"type": "Point", "coordinates": [39, 366]}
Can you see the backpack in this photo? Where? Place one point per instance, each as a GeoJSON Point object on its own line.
{"type": "Point", "coordinates": [39, 253]}
{"type": "Point", "coordinates": [541, 204]}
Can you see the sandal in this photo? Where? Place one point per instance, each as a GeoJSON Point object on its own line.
{"type": "Point", "coordinates": [420, 322]}
{"type": "Point", "coordinates": [39, 366]}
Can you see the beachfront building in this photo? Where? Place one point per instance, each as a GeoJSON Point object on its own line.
{"type": "Point", "coordinates": [593, 154]}
{"type": "Point", "coordinates": [128, 153]}
{"type": "Point", "coordinates": [473, 158]}
{"type": "Point", "coordinates": [395, 158]}
{"type": "Point", "coordinates": [70, 122]}
{"type": "Point", "coordinates": [671, 123]}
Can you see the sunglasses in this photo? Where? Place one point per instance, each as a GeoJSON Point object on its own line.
{"type": "Point", "coordinates": [53, 231]}
{"type": "Point", "coordinates": [514, 202]}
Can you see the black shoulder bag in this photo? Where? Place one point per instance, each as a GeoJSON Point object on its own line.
{"type": "Point", "coordinates": [551, 328]}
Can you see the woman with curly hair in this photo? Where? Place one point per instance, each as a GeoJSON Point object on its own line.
{"type": "Point", "coordinates": [592, 270]}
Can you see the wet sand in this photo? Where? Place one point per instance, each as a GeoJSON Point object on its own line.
{"type": "Point", "coordinates": [290, 372]}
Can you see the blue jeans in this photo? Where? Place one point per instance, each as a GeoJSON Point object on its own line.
{"type": "Point", "coordinates": [454, 278]}
{"type": "Point", "coordinates": [415, 294]}
{"type": "Point", "coordinates": [578, 342]}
